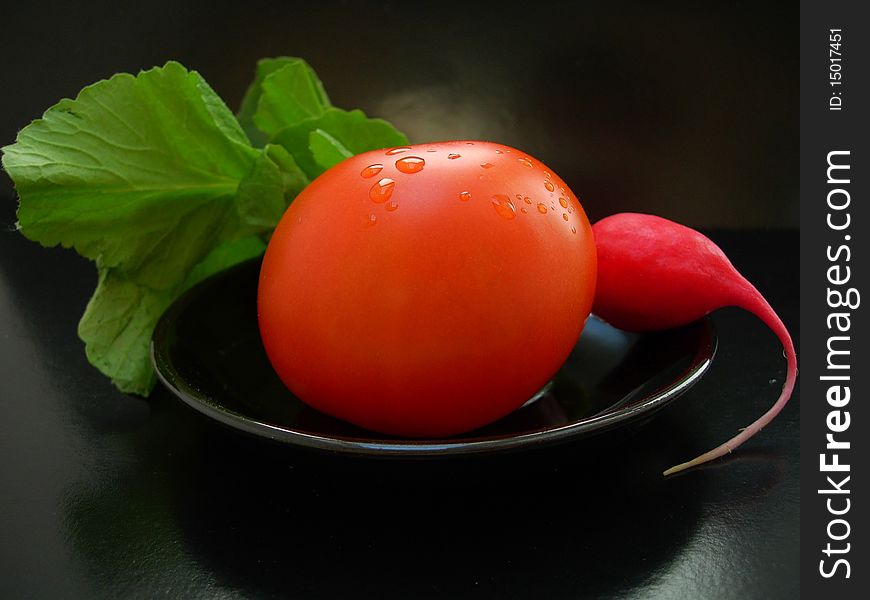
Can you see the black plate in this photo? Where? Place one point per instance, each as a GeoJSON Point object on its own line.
{"type": "Point", "coordinates": [207, 351]}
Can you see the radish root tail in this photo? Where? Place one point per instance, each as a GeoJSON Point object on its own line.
{"type": "Point", "coordinates": [757, 305]}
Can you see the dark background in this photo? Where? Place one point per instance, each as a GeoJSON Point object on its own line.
{"type": "Point", "coordinates": [687, 112]}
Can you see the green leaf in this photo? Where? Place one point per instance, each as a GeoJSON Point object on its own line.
{"type": "Point", "coordinates": [120, 318]}
{"type": "Point", "coordinates": [129, 156]}
{"type": "Point", "coordinates": [261, 199]}
{"type": "Point", "coordinates": [289, 92]}
{"type": "Point", "coordinates": [141, 175]}
{"type": "Point", "coordinates": [153, 178]}
{"type": "Point", "coordinates": [286, 104]}
{"type": "Point", "coordinates": [292, 175]}
{"type": "Point", "coordinates": [252, 95]}
{"type": "Point", "coordinates": [224, 256]}
{"type": "Point", "coordinates": [120, 315]}
{"type": "Point", "coordinates": [251, 99]}
{"type": "Point", "coordinates": [358, 133]}
{"type": "Point", "coordinates": [352, 129]}
{"type": "Point", "coordinates": [326, 150]}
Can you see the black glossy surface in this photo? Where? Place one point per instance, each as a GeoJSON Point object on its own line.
{"type": "Point", "coordinates": [207, 351]}
{"type": "Point", "coordinates": [110, 496]}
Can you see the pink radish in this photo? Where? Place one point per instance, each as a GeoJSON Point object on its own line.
{"type": "Point", "coordinates": [655, 274]}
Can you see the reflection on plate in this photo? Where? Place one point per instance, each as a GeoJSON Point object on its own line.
{"type": "Point", "coordinates": [207, 351]}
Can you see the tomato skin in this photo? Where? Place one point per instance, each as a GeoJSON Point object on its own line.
{"type": "Point", "coordinates": [438, 310]}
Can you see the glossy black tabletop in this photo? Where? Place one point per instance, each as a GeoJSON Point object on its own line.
{"type": "Point", "coordinates": [107, 495]}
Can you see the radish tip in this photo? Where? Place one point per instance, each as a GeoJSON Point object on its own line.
{"type": "Point", "coordinates": [678, 468]}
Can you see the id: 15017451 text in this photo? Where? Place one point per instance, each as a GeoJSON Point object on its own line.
{"type": "Point", "coordinates": [835, 69]}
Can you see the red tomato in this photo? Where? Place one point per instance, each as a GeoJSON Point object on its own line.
{"type": "Point", "coordinates": [428, 290]}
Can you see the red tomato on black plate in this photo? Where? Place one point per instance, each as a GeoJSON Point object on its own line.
{"type": "Point", "coordinates": [428, 290]}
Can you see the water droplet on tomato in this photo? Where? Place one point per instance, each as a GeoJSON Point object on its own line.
{"type": "Point", "coordinates": [391, 205]}
{"type": "Point", "coordinates": [399, 150]}
{"type": "Point", "coordinates": [573, 229]}
{"type": "Point", "coordinates": [526, 162]}
{"type": "Point", "coordinates": [487, 165]}
{"type": "Point", "coordinates": [497, 151]}
{"type": "Point", "coordinates": [527, 200]}
{"type": "Point", "coordinates": [541, 208]}
{"type": "Point", "coordinates": [565, 216]}
{"type": "Point", "coordinates": [410, 164]}
{"type": "Point", "coordinates": [465, 196]}
{"type": "Point", "coordinates": [382, 190]}
{"type": "Point", "coordinates": [524, 211]}
{"type": "Point", "coordinates": [469, 143]}
{"type": "Point", "coordinates": [432, 150]}
{"type": "Point", "coordinates": [550, 187]}
{"type": "Point", "coordinates": [371, 170]}
{"type": "Point", "coordinates": [504, 207]}
{"type": "Point", "coordinates": [372, 219]}
{"type": "Point", "coordinates": [453, 156]}
{"type": "Point", "coordinates": [563, 203]}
